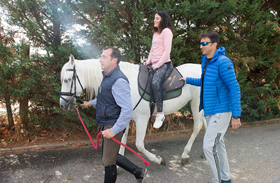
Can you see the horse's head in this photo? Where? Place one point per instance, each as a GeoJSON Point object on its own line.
{"type": "Point", "coordinates": [71, 86]}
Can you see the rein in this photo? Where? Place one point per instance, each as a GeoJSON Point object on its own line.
{"type": "Point", "coordinates": [73, 95]}
{"type": "Point", "coordinates": [150, 70]}
{"type": "Point", "coordinates": [97, 140]}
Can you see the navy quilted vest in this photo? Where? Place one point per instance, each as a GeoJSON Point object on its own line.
{"type": "Point", "coordinates": [107, 110]}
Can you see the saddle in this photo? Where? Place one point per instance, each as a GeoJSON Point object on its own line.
{"type": "Point", "coordinates": [171, 87]}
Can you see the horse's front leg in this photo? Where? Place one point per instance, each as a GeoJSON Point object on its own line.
{"type": "Point", "coordinates": [141, 127]}
{"type": "Point", "coordinates": [197, 119]}
{"type": "Point", "coordinates": [124, 140]}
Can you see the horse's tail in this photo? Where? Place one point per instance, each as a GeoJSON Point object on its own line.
{"type": "Point", "coordinates": [204, 120]}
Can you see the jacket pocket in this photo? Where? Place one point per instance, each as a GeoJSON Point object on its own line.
{"type": "Point", "coordinates": [101, 111]}
{"type": "Point", "coordinates": [217, 91]}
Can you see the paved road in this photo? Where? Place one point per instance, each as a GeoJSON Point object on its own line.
{"type": "Point", "coordinates": [253, 152]}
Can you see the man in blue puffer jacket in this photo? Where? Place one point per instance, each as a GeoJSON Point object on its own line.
{"type": "Point", "coordinates": [220, 99]}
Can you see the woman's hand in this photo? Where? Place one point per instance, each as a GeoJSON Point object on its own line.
{"type": "Point", "coordinates": [145, 63]}
{"type": "Point", "coordinates": [154, 67]}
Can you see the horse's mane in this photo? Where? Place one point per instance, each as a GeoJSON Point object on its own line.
{"type": "Point", "coordinates": [92, 72]}
{"type": "Point", "coordinates": [129, 69]}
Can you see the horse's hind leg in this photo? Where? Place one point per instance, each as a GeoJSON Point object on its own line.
{"type": "Point", "coordinates": [141, 127]}
{"type": "Point", "coordinates": [124, 140]}
{"type": "Point", "coordinates": [197, 119]}
{"type": "Point", "coordinates": [204, 121]}
{"type": "Point", "coordinates": [205, 127]}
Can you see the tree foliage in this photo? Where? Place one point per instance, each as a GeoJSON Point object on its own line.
{"type": "Point", "coordinates": [45, 24]}
{"type": "Point", "coordinates": [248, 29]}
{"type": "Point", "coordinates": [7, 77]}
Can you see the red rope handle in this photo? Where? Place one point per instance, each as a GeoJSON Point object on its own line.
{"type": "Point", "coordinates": [97, 140]}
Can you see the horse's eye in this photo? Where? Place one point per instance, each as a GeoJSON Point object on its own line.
{"type": "Point", "coordinates": [67, 80]}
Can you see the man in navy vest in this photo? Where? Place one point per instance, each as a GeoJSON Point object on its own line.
{"type": "Point", "coordinates": [220, 99]}
{"type": "Point", "coordinates": [113, 112]}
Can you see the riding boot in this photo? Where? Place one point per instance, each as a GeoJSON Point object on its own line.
{"type": "Point", "coordinates": [124, 163]}
{"type": "Point", "coordinates": [110, 174]}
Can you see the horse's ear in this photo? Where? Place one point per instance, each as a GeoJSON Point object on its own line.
{"type": "Point", "coordinates": [71, 59]}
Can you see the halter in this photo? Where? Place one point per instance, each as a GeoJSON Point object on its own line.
{"type": "Point", "coordinates": [72, 95]}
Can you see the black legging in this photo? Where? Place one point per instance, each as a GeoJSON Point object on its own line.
{"type": "Point", "coordinates": [159, 77]}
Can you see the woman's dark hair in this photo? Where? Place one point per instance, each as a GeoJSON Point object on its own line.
{"type": "Point", "coordinates": [212, 35]}
{"type": "Point", "coordinates": [164, 23]}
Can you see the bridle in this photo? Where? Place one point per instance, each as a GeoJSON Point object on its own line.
{"type": "Point", "coordinates": [72, 95]}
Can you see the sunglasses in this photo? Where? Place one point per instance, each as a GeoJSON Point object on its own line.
{"type": "Point", "coordinates": [205, 43]}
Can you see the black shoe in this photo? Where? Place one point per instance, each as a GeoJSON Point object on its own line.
{"type": "Point", "coordinates": [226, 181]}
{"type": "Point", "coordinates": [123, 162]}
{"type": "Point", "coordinates": [143, 173]}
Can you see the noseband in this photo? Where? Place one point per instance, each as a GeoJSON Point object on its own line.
{"type": "Point", "coordinates": [72, 95]}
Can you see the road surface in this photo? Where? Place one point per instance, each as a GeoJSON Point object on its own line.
{"type": "Point", "coordinates": [253, 153]}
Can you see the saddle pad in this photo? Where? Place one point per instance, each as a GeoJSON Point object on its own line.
{"type": "Point", "coordinates": [166, 96]}
{"type": "Point", "coordinates": [170, 84]}
{"type": "Point", "coordinates": [143, 77]}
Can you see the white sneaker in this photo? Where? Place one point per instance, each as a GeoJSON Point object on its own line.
{"type": "Point", "coordinates": [159, 120]}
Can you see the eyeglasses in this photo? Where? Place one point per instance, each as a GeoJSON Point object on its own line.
{"type": "Point", "coordinates": [205, 43]}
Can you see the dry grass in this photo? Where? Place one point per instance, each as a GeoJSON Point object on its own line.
{"type": "Point", "coordinates": [171, 122]}
{"type": "Point", "coordinates": [15, 133]}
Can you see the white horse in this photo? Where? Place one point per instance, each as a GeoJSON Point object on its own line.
{"type": "Point", "coordinates": [77, 75]}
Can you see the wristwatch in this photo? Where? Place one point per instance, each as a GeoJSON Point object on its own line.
{"type": "Point", "coordinates": [235, 117]}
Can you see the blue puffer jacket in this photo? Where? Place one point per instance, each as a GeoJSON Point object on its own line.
{"type": "Point", "coordinates": [221, 91]}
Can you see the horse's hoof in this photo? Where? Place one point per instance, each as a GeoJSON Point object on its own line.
{"type": "Point", "coordinates": [203, 155]}
{"type": "Point", "coordinates": [162, 162]}
{"type": "Point", "coordinates": [184, 161]}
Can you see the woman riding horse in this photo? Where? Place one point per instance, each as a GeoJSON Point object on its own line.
{"type": "Point", "coordinates": [160, 58]}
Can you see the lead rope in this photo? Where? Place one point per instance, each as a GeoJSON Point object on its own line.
{"type": "Point", "coordinates": [97, 140]}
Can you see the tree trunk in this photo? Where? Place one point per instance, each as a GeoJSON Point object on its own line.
{"type": "Point", "coordinates": [9, 111]}
{"type": "Point", "coordinates": [23, 103]}
{"type": "Point", "coordinates": [23, 112]}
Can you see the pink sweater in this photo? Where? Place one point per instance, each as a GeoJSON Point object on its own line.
{"type": "Point", "coordinates": [161, 48]}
